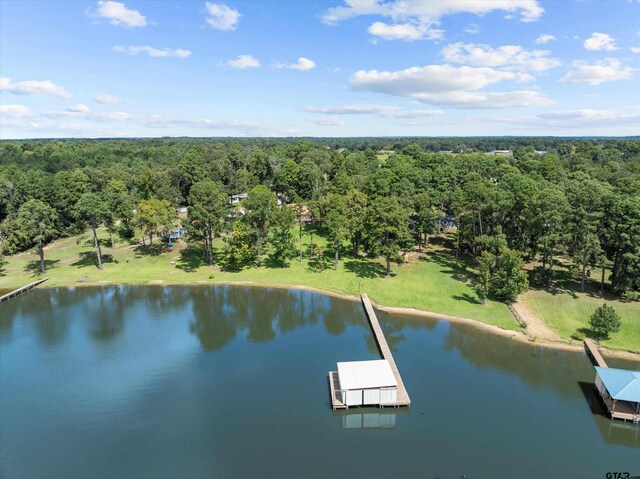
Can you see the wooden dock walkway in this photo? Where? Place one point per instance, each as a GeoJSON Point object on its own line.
{"type": "Point", "coordinates": [18, 291]}
{"type": "Point", "coordinates": [593, 353]}
{"type": "Point", "coordinates": [402, 397]}
{"type": "Point", "coordinates": [385, 351]}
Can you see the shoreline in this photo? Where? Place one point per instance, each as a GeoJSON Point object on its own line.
{"type": "Point", "coordinates": [515, 335]}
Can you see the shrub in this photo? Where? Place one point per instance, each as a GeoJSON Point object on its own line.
{"type": "Point", "coordinates": [605, 320]}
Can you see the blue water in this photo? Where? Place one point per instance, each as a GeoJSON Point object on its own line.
{"type": "Point", "coordinates": [231, 382]}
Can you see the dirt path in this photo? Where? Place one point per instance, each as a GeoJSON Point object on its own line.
{"type": "Point", "coordinates": [536, 327]}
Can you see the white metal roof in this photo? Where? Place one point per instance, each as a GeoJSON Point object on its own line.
{"type": "Point", "coordinates": [366, 374]}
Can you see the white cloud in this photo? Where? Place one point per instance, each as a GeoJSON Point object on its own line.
{"type": "Point", "coordinates": [635, 49]}
{"type": "Point", "coordinates": [106, 99]}
{"type": "Point", "coordinates": [609, 69]}
{"type": "Point", "coordinates": [221, 17]}
{"type": "Point", "coordinates": [111, 116]}
{"type": "Point", "coordinates": [116, 13]}
{"type": "Point", "coordinates": [32, 87]}
{"type": "Point", "coordinates": [160, 121]}
{"type": "Point", "coordinates": [244, 61]}
{"type": "Point", "coordinates": [15, 111]}
{"type": "Point", "coordinates": [545, 38]}
{"type": "Point", "coordinates": [472, 28]}
{"type": "Point", "coordinates": [153, 52]}
{"type": "Point", "coordinates": [449, 85]}
{"type": "Point", "coordinates": [600, 41]}
{"type": "Point", "coordinates": [81, 111]}
{"type": "Point", "coordinates": [404, 31]}
{"type": "Point", "coordinates": [413, 16]}
{"type": "Point", "coordinates": [574, 119]}
{"type": "Point", "coordinates": [509, 56]}
{"type": "Point", "coordinates": [303, 64]}
{"type": "Point", "coordinates": [387, 111]}
{"type": "Point", "coordinates": [327, 121]}
{"type": "Point", "coordinates": [79, 108]}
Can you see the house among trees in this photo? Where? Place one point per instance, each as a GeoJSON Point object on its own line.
{"type": "Point", "coordinates": [620, 392]}
{"type": "Point", "coordinates": [175, 233]}
{"type": "Point", "coordinates": [235, 199]}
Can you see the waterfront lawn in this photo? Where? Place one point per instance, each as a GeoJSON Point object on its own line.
{"type": "Point", "coordinates": [432, 282]}
{"type": "Point", "coordinates": [568, 313]}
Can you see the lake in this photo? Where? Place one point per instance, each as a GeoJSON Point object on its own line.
{"type": "Point", "coordinates": [231, 382]}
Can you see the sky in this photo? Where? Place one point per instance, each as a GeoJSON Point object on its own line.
{"type": "Point", "coordinates": [88, 69]}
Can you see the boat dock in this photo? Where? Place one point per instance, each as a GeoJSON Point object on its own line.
{"type": "Point", "coordinates": [615, 386]}
{"type": "Point", "coordinates": [402, 397]}
{"type": "Point", "coordinates": [593, 353]}
{"type": "Point", "coordinates": [18, 291]}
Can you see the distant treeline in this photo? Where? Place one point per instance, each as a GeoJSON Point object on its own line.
{"type": "Point", "coordinates": [579, 198]}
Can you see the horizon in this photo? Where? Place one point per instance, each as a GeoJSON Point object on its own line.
{"type": "Point", "coordinates": [330, 69]}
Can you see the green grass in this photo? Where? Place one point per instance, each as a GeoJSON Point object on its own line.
{"type": "Point", "coordinates": [431, 282]}
{"type": "Point", "coordinates": [568, 313]}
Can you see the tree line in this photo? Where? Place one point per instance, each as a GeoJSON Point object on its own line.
{"type": "Point", "coordinates": [552, 198]}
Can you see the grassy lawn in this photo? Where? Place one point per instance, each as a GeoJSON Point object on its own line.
{"type": "Point", "coordinates": [568, 312]}
{"type": "Point", "coordinates": [431, 282]}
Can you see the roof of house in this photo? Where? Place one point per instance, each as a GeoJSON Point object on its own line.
{"type": "Point", "coordinates": [366, 374]}
{"type": "Point", "coordinates": [622, 384]}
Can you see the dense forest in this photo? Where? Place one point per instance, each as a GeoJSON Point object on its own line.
{"type": "Point", "coordinates": [540, 200]}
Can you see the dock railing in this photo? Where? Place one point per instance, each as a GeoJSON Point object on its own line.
{"type": "Point", "coordinates": [21, 290]}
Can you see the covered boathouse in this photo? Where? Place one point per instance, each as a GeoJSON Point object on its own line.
{"type": "Point", "coordinates": [620, 392]}
{"type": "Point", "coordinates": [367, 383]}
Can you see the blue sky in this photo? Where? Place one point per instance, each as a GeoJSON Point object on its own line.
{"type": "Point", "coordinates": [319, 68]}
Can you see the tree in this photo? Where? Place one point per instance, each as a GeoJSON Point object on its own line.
{"type": "Point", "coordinates": [425, 217]}
{"type": "Point", "coordinates": [92, 209]}
{"type": "Point", "coordinates": [120, 204]}
{"type": "Point", "coordinates": [483, 279]}
{"type": "Point", "coordinates": [586, 197]}
{"type": "Point", "coordinates": [36, 221]}
{"type": "Point", "coordinates": [154, 216]}
{"type": "Point", "coordinates": [547, 218]}
{"type": "Point", "coordinates": [500, 271]}
{"type": "Point", "coordinates": [281, 239]}
{"type": "Point", "coordinates": [510, 278]}
{"type": "Point", "coordinates": [260, 206]}
{"type": "Point", "coordinates": [605, 320]}
{"type": "Point", "coordinates": [355, 212]}
{"type": "Point", "coordinates": [206, 213]}
{"type": "Point", "coordinates": [387, 231]}
{"type": "Point", "coordinates": [335, 221]}
{"type": "Point", "coordinates": [237, 251]}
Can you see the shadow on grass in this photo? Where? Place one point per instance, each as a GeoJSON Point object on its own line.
{"type": "Point", "coordinates": [191, 258]}
{"type": "Point", "coordinates": [466, 297]}
{"type": "Point", "coordinates": [89, 258]}
{"type": "Point", "coordinates": [32, 266]}
{"type": "Point", "coordinates": [365, 269]}
{"type": "Point", "coordinates": [458, 270]}
{"type": "Point", "coordinates": [154, 249]}
{"type": "Point", "coordinates": [589, 333]}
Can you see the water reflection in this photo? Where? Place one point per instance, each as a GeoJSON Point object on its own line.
{"type": "Point", "coordinates": [369, 418]}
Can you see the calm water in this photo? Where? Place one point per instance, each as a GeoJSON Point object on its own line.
{"type": "Point", "coordinates": [231, 382]}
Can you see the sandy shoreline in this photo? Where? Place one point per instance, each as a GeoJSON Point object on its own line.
{"type": "Point", "coordinates": [511, 334]}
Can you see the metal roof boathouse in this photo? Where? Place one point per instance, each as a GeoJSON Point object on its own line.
{"type": "Point", "coordinates": [620, 392]}
{"type": "Point", "coordinates": [367, 383]}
